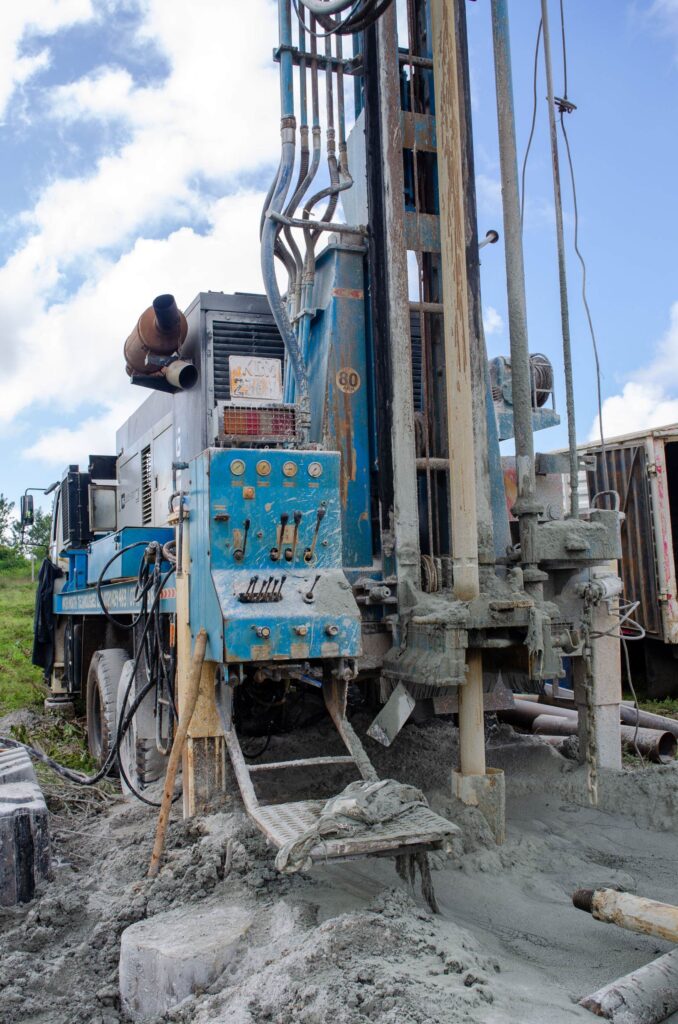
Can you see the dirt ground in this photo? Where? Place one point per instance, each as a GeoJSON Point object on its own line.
{"type": "Point", "coordinates": [351, 942]}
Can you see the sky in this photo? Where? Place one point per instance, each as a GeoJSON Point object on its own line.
{"type": "Point", "coordinates": [138, 138]}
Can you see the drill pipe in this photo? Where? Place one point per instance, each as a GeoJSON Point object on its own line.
{"type": "Point", "coordinates": [626, 909]}
{"type": "Point", "coordinates": [659, 747]}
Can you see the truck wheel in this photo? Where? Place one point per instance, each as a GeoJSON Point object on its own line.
{"type": "Point", "coordinates": [103, 678]}
{"type": "Point", "coordinates": [141, 760]}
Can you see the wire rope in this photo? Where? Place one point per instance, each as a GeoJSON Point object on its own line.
{"type": "Point", "coordinates": [532, 126]}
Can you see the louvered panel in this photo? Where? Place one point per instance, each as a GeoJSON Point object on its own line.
{"type": "Point", "coordinates": [248, 336]}
{"type": "Point", "coordinates": [146, 490]}
{"type": "Point", "coordinates": [417, 386]}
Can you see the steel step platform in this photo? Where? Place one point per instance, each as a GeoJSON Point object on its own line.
{"type": "Point", "coordinates": [419, 828]}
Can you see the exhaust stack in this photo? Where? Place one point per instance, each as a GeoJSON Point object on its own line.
{"type": "Point", "coordinates": [152, 349]}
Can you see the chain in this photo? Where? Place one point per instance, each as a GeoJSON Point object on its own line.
{"type": "Point", "coordinates": [591, 741]}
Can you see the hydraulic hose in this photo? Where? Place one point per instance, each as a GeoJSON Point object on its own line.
{"type": "Point", "coordinates": [271, 229]}
{"type": "Point", "coordinates": [124, 722]}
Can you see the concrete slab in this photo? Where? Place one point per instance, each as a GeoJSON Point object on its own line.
{"type": "Point", "coordinates": [170, 956]}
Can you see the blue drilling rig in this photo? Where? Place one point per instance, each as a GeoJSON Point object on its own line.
{"type": "Point", "coordinates": [315, 480]}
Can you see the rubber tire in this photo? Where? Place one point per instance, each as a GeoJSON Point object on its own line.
{"type": "Point", "coordinates": [103, 678]}
{"type": "Point", "coordinates": [141, 760]}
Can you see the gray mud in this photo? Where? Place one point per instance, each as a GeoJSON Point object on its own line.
{"type": "Point", "coordinates": [351, 942]}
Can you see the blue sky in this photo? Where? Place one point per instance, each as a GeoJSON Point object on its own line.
{"type": "Point", "coordinates": [137, 140]}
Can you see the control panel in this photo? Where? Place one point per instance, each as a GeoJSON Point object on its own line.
{"type": "Point", "coordinates": [276, 556]}
{"type": "Point", "coordinates": [274, 510]}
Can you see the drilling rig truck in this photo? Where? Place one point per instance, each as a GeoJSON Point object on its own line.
{"type": "Point", "coordinates": [315, 477]}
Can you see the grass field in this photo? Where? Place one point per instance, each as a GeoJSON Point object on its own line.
{"type": "Point", "coordinates": [20, 682]}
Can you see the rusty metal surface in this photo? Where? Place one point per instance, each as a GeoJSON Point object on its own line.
{"type": "Point", "coordinates": [335, 693]}
{"type": "Point", "coordinates": [422, 232]}
{"type": "Point", "coordinates": [148, 338]}
{"type": "Point", "coordinates": [627, 470]}
{"type": "Point", "coordinates": [418, 130]}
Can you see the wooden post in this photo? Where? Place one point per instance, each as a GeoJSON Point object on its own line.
{"type": "Point", "coordinates": [190, 700]}
{"type": "Point", "coordinates": [459, 385]}
{"type": "Point", "coordinates": [203, 758]}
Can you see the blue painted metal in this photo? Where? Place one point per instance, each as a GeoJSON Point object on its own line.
{"type": "Point", "coordinates": [541, 419]}
{"type": "Point", "coordinates": [77, 569]}
{"type": "Point", "coordinates": [204, 603]}
{"type": "Point", "coordinates": [118, 598]}
{"type": "Point", "coordinates": [127, 566]}
{"type": "Point", "coordinates": [237, 498]}
{"type": "Point", "coordinates": [340, 380]}
{"type": "Point", "coordinates": [422, 231]}
{"type": "Point", "coordinates": [270, 632]}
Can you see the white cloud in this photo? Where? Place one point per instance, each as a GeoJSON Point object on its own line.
{"type": "Point", "coordinates": [191, 136]}
{"type": "Point", "coordinates": [650, 398]}
{"type": "Point", "coordinates": [94, 436]}
{"type": "Point", "coordinates": [20, 21]}
{"type": "Point", "coordinates": [488, 191]}
{"type": "Point", "coordinates": [73, 350]}
{"type": "Point", "coordinates": [492, 321]}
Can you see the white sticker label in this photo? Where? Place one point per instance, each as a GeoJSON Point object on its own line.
{"type": "Point", "coordinates": [255, 379]}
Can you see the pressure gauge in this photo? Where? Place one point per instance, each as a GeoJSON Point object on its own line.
{"type": "Point", "coordinates": [263, 467]}
{"type": "Point", "coordinates": [237, 467]}
{"type": "Point", "coordinates": [290, 469]}
{"type": "Point", "coordinates": [315, 469]}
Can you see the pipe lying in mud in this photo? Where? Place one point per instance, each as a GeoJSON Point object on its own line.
{"type": "Point", "coordinates": [657, 744]}
{"type": "Point", "coordinates": [659, 747]}
{"type": "Point", "coordinates": [647, 720]}
{"type": "Point", "coordinates": [625, 909]}
{"type": "Point", "coordinates": [627, 711]}
{"type": "Point", "coordinates": [646, 996]}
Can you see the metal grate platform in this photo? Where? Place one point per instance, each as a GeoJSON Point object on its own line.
{"type": "Point", "coordinates": [282, 823]}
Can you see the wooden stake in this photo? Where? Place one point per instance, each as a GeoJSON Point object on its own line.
{"type": "Point", "coordinates": [186, 713]}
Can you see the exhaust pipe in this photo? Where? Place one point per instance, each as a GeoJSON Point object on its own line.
{"type": "Point", "coordinates": [159, 334]}
{"type": "Point", "coordinates": [180, 374]}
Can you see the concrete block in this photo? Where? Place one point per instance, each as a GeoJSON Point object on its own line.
{"type": "Point", "coordinates": [486, 792]}
{"type": "Point", "coordinates": [24, 839]}
{"type": "Point", "coordinates": [170, 956]}
{"type": "Point", "coordinates": [16, 766]}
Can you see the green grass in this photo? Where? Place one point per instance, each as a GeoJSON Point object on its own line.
{"type": "Point", "coordinates": [667, 707]}
{"type": "Point", "coordinates": [20, 682]}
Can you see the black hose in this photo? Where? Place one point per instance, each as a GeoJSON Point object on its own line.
{"type": "Point", "coordinates": [124, 721]}
{"type": "Point", "coordinates": [111, 618]}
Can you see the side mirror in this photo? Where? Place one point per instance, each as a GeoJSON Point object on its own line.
{"type": "Point", "coordinates": [27, 511]}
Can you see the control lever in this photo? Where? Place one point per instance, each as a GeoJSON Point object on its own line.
{"type": "Point", "coordinates": [239, 553]}
{"type": "Point", "coordinates": [280, 533]}
{"type": "Point", "coordinates": [309, 596]}
{"type": "Point", "coordinates": [310, 552]}
{"type": "Point", "coordinates": [270, 590]}
{"type": "Point", "coordinates": [291, 552]}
